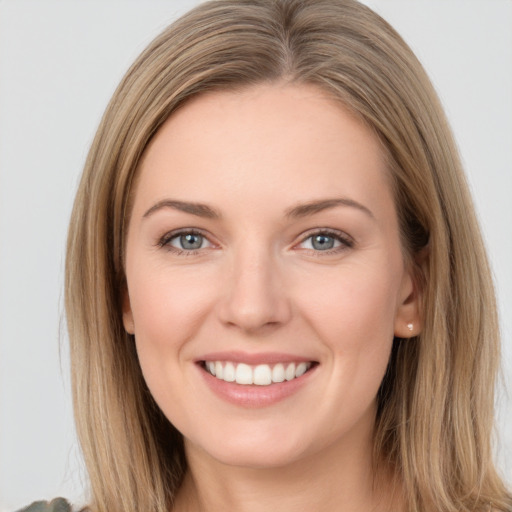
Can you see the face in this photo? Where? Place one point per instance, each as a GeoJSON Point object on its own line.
{"type": "Point", "coordinates": [265, 277]}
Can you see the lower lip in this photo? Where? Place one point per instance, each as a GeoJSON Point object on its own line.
{"type": "Point", "coordinates": [254, 396]}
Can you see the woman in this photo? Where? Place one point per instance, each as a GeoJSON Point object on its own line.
{"type": "Point", "coordinates": [276, 288]}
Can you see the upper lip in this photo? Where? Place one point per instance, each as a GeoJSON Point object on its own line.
{"type": "Point", "coordinates": [254, 359]}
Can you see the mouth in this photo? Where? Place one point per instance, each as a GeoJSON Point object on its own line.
{"type": "Point", "coordinates": [260, 374]}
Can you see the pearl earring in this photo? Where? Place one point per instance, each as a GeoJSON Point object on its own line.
{"type": "Point", "coordinates": [410, 326]}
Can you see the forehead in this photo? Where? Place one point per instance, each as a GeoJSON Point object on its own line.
{"type": "Point", "coordinates": [279, 142]}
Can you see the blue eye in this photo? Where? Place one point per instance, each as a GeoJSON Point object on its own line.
{"type": "Point", "coordinates": [320, 242]}
{"type": "Point", "coordinates": [323, 242]}
{"type": "Point", "coordinates": [326, 241]}
{"type": "Point", "coordinates": [185, 241]}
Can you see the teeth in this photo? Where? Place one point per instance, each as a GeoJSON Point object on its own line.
{"type": "Point", "coordinates": [301, 369]}
{"type": "Point", "coordinates": [289, 373]}
{"type": "Point", "coordinates": [260, 375]}
{"type": "Point", "coordinates": [219, 370]}
{"type": "Point", "coordinates": [278, 373]}
{"type": "Point", "coordinates": [243, 373]}
{"type": "Point", "coordinates": [229, 374]}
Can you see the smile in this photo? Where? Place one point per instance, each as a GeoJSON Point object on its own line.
{"type": "Point", "coordinates": [259, 375]}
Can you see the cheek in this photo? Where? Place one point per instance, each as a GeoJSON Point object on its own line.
{"type": "Point", "coordinates": [353, 316]}
{"type": "Point", "coordinates": [169, 307]}
{"type": "Point", "coordinates": [165, 302]}
{"type": "Point", "coordinates": [354, 309]}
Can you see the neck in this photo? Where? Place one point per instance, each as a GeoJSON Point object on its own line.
{"type": "Point", "coordinates": [340, 478]}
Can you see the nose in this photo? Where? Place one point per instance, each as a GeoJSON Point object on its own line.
{"type": "Point", "coordinates": [254, 298]}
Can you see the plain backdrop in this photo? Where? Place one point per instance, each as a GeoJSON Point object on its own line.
{"type": "Point", "coordinates": [59, 63]}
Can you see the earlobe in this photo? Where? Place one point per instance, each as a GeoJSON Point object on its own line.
{"type": "Point", "coordinates": [128, 322]}
{"type": "Point", "coordinates": [408, 316]}
{"type": "Point", "coordinates": [408, 330]}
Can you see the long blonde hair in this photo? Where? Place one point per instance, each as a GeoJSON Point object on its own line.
{"type": "Point", "coordinates": [435, 405]}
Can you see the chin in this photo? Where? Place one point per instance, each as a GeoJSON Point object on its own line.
{"type": "Point", "coordinates": [259, 451]}
{"type": "Point", "coordinates": [257, 458]}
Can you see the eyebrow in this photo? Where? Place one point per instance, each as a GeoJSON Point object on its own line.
{"type": "Point", "coordinates": [301, 210]}
{"type": "Point", "coordinates": [310, 208]}
{"type": "Point", "coordinates": [199, 209]}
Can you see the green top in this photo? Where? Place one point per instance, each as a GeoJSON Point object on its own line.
{"type": "Point", "coordinates": [56, 505]}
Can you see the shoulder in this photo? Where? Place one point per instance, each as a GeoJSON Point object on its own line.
{"type": "Point", "coordinates": [56, 505]}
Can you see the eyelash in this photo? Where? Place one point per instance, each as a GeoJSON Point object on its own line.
{"type": "Point", "coordinates": [164, 242]}
{"type": "Point", "coordinates": [346, 242]}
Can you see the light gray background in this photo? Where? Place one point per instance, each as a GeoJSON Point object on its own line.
{"type": "Point", "coordinates": [59, 63]}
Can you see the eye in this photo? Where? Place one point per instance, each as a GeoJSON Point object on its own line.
{"type": "Point", "coordinates": [326, 241]}
{"type": "Point", "coordinates": [321, 242]}
{"type": "Point", "coordinates": [188, 241]}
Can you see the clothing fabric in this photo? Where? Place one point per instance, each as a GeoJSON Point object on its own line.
{"type": "Point", "coordinates": [56, 505]}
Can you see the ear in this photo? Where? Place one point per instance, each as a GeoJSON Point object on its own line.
{"type": "Point", "coordinates": [128, 322]}
{"type": "Point", "coordinates": [408, 318]}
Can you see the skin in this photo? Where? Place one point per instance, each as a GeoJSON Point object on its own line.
{"type": "Point", "coordinates": [257, 284]}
